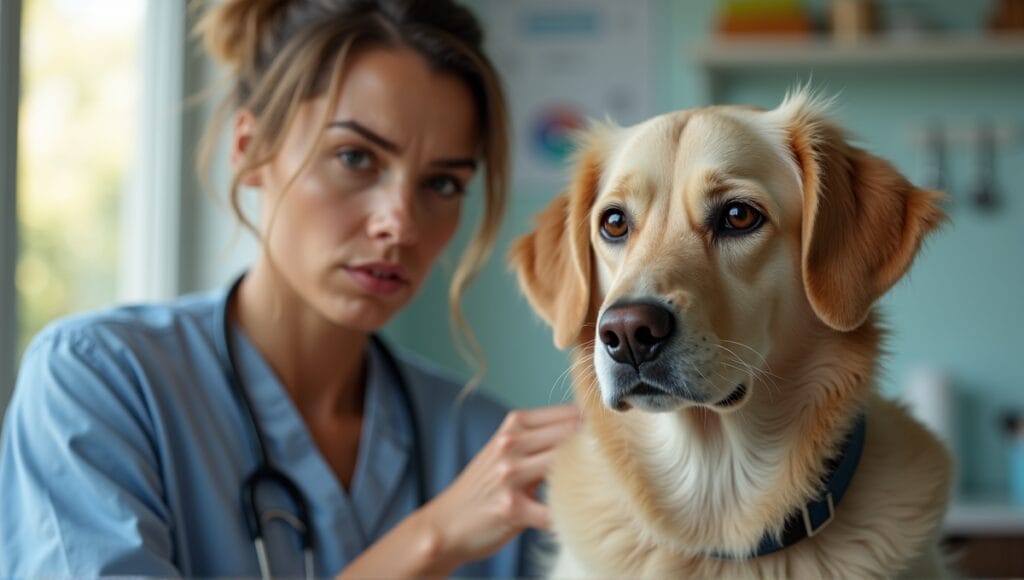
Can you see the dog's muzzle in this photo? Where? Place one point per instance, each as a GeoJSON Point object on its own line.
{"type": "Point", "coordinates": [652, 363]}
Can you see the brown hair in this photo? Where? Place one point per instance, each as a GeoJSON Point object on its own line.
{"type": "Point", "coordinates": [282, 52]}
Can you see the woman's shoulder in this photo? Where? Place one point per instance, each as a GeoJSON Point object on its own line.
{"type": "Point", "coordinates": [130, 325]}
{"type": "Point", "coordinates": [99, 364]}
{"type": "Point", "coordinates": [113, 358]}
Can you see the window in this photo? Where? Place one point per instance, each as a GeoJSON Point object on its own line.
{"type": "Point", "coordinates": [90, 159]}
{"type": "Point", "coordinates": [81, 83]}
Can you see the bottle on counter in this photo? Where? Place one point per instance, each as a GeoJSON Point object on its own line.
{"type": "Point", "coordinates": [1014, 426]}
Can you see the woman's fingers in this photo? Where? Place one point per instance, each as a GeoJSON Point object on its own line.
{"type": "Point", "coordinates": [525, 446]}
{"type": "Point", "coordinates": [530, 470]}
{"type": "Point", "coordinates": [540, 416]}
{"type": "Point", "coordinates": [529, 441]}
{"type": "Point", "coordinates": [535, 514]}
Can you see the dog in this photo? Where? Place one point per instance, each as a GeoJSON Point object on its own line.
{"type": "Point", "coordinates": [715, 272]}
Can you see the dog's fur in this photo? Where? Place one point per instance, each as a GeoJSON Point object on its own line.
{"type": "Point", "coordinates": [653, 485]}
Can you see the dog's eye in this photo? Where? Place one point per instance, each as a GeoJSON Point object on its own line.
{"type": "Point", "coordinates": [613, 224]}
{"type": "Point", "coordinates": [738, 217]}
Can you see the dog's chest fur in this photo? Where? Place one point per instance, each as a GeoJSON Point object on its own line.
{"type": "Point", "coordinates": [884, 526]}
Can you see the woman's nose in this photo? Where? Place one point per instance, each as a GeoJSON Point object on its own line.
{"type": "Point", "coordinates": [394, 216]}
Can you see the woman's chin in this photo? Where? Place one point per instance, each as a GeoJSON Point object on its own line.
{"type": "Point", "coordinates": [365, 315]}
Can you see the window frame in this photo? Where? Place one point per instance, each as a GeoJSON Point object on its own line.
{"type": "Point", "coordinates": [10, 88]}
{"type": "Point", "coordinates": [150, 262]}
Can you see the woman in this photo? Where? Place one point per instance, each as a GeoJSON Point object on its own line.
{"type": "Point", "coordinates": [128, 447]}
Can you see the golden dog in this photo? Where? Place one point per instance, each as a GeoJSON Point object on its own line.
{"type": "Point", "coordinates": [716, 270]}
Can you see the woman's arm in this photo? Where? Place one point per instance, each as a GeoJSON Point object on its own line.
{"type": "Point", "coordinates": [493, 500]}
{"type": "Point", "coordinates": [79, 480]}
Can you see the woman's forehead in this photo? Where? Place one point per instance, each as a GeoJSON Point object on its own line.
{"type": "Point", "coordinates": [400, 96]}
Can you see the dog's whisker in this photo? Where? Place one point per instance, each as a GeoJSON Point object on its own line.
{"type": "Point", "coordinates": [738, 363]}
{"type": "Point", "coordinates": [741, 368]}
{"type": "Point", "coordinates": [765, 370]}
{"type": "Point", "coordinates": [760, 374]}
{"type": "Point", "coordinates": [764, 360]}
{"type": "Point", "coordinates": [562, 379]}
{"type": "Point", "coordinates": [746, 346]}
{"type": "Point", "coordinates": [736, 356]}
{"type": "Point", "coordinates": [579, 358]}
{"type": "Point", "coordinates": [696, 368]}
{"type": "Point", "coordinates": [590, 392]}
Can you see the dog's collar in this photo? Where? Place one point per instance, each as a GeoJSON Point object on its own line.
{"type": "Point", "coordinates": [813, 516]}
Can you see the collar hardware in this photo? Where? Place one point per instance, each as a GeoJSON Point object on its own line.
{"type": "Point", "coordinates": [810, 527]}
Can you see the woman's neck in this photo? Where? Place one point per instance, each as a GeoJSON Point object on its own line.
{"type": "Point", "coordinates": [320, 364]}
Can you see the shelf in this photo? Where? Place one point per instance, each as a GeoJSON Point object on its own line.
{"type": "Point", "coordinates": [759, 52]}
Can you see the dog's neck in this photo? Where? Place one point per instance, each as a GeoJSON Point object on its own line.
{"type": "Point", "coordinates": [703, 481]}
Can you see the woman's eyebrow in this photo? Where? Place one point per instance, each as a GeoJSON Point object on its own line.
{"type": "Point", "coordinates": [466, 163]}
{"type": "Point", "coordinates": [391, 147]}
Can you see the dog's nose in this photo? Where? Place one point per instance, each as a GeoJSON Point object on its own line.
{"type": "Point", "coordinates": [634, 332]}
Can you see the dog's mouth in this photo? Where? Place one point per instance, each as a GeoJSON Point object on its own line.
{"type": "Point", "coordinates": [644, 389]}
{"type": "Point", "coordinates": [734, 398]}
{"type": "Point", "coordinates": [646, 395]}
{"type": "Point", "coordinates": [654, 398]}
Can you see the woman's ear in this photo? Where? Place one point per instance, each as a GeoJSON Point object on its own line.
{"type": "Point", "coordinates": [863, 222]}
{"type": "Point", "coordinates": [241, 137]}
{"type": "Point", "coordinates": [553, 262]}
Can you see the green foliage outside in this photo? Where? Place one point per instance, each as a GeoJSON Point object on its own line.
{"type": "Point", "coordinates": [81, 73]}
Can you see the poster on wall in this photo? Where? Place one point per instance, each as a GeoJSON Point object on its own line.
{"type": "Point", "coordinates": [563, 64]}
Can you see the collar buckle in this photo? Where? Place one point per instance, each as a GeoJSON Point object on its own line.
{"type": "Point", "coordinates": [809, 526]}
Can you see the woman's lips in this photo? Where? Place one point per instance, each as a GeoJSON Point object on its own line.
{"type": "Point", "coordinates": [378, 278]}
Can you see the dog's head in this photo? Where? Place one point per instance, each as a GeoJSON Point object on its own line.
{"type": "Point", "coordinates": [692, 247]}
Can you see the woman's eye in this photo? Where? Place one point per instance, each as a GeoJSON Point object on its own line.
{"type": "Point", "coordinates": [737, 217]}
{"type": "Point", "coordinates": [357, 159]}
{"type": "Point", "coordinates": [444, 185]}
{"type": "Point", "coordinates": [614, 225]}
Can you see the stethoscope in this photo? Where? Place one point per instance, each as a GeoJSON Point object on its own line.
{"type": "Point", "coordinates": [266, 475]}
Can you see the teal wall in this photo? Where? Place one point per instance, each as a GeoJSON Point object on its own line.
{"type": "Point", "coordinates": [959, 310]}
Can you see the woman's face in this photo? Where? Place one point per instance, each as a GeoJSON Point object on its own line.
{"type": "Point", "coordinates": [358, 230]}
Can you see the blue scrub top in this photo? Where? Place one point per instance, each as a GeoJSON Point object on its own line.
{"type": "Point", "coordinates": [124, 450]}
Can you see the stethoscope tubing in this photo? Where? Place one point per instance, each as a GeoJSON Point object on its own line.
{"type": "Point", "coordinates": [265, 473]}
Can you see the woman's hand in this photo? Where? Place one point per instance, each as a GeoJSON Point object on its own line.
{"type": "Point", "coordinates": [495, 497]}
{"type": "Point", "coordinates": [492, 500]}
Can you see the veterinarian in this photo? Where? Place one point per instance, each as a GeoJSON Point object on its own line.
{"type": "Point", "coordinates": [264, 429]}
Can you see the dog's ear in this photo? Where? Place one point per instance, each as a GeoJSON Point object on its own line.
{"type": "Point", "coordinates": [553, 262]}
{"type": "Point", "coordinates": [863, 222]}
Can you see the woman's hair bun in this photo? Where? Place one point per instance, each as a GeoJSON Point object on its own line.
{"type": "Point", "coordinates": [233, 30]}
